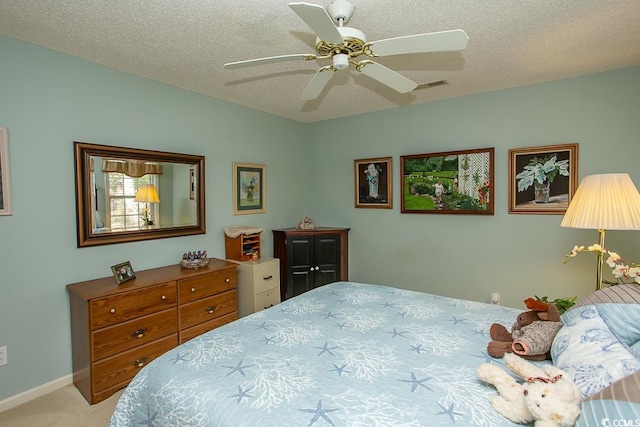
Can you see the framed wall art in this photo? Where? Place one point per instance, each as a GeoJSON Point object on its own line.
{"type": "Point", "coordinates": [192, 183]}
{"type": "Point", "coordinates": [373, 183]}
{"type": "Point", "coordinates": [5, 186]}
{"type": "Point", "coordinates": [542, 180]}
{"type": "Point", "coordinates": [453, 182]}
{"type": "Point", "coordinates": [123, 272]}
{"type": "Point", "coordinates": [249, 188]}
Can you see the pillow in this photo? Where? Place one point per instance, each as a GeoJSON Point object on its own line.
{"type": "Point", "coordinates": [99, 222]}
{"type": "Point", "coordinates": [627, 293]}
{"type": "Point", "coordinates": [623, 320]}
{"type": "Point", "coordinates": [586, 349]}
{"type": "Point", "coordinates": [619, 401]}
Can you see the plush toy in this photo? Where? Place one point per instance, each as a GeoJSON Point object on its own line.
{"type": "Point", "coordinates": [531, 335]}
{"type": "Point", "coordinates": [547, 395]}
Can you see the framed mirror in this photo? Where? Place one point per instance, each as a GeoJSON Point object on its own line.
{"type": "Point", "coordinates": [127, 194]}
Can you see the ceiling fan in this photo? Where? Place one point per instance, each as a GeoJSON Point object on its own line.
{"type": "Point", "coordinates": [344, 44]}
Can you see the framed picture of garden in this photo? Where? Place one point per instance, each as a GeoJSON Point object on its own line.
{"type": "Point", "coordinates": [249, 188]}
{"type": "Point", "coordinates": [453, 182]}
{"type": "Point", "coordinates": [542, 180]}
{"type": "Point", "coordinates": [373, 179]}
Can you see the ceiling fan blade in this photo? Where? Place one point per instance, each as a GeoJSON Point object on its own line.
{"type": "Point", "coordinates": [269, 60]}
{"type": "Point", "coordinates": [386, 76]}
{"type": "Point", "coordinates": [318, 20]}
{"type": "Point", "coordinates": [317, 83]}
{"type": "Point", "coordinates": [421, 43]}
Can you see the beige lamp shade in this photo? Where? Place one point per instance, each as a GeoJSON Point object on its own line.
{"type": "Point", "coordinates": [147, 194]}
{"type": "Point", "coordinates": [604, 202]}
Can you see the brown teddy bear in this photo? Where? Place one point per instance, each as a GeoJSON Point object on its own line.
{"type": "Point", "coordinates": [531, 335]}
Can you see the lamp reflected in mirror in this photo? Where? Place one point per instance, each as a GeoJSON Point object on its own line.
{"type": "Point", "coordinates": [147, 194]}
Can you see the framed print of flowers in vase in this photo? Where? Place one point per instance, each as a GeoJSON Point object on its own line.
{"type": "Point", "coordinates": [249, 188]}
{"type": "Point", "coordinates": [542, 180]}
{"type": "Point", "coordinates": [373, 179]}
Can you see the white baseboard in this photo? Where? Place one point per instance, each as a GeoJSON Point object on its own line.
{"type": "Point", "coordinates": [41, 390]}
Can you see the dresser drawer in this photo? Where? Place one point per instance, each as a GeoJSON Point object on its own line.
{"type": "Point", "coordinates": [266, 276]}
{"type": "Point", "coordinates": [206, 285]}
{"type": "Point", "coordinates": [267, 299]}
{"type": "Point", "coordinates": [124, 336]}
{"type": "Point", "coordinates": [207, 309]}
{"type": "Point", "coordinates": [129, 305]}
{"type": "Point", "coordinates": [122, 368]}
{"type": "Point", "coordinates": [194, 331]}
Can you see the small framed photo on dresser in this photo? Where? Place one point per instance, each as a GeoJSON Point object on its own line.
{"type": "Point", "coordinates": [123, 272]}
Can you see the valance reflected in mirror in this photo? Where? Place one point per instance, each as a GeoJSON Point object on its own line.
{"type": "Point", "coordinates": [127, 194]}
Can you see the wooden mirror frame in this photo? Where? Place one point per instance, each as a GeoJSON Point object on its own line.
{"type": "Point", "coordinates": [82, 154]}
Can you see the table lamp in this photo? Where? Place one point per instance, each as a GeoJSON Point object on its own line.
{"type": "Point", "coordinates": [147, 194]}
{"type": "Point", "coordinates": [604, 202]}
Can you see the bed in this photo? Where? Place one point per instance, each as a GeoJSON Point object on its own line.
{"type": "Point", "coordinates": [345, 354]}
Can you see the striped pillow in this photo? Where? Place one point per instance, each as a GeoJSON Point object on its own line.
{"type": "Point", "coordinates": [627, 294]}
{"type": "Point", "coordinates": [619, 402]}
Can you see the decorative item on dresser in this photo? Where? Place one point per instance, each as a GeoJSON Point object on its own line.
{"type": "Point", "coordinates": [242, 243]}
{"type": "Point", "coordinates": [118, 329]}
{"type": "Point", "coordinates": [258, 285]}
{"type": "Point", "coordinates": [310, 258]}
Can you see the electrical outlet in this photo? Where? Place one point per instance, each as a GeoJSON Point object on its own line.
{"type": "Point", "coordinates": [495, 298]}
{"type": "Point", "coordinates": [3, 355]}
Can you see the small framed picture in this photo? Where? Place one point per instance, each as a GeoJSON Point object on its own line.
{"type": "Point", "coordinates": [452, 182]}
{"type": "Point", "coordinates": [5, 187]}
{"type": "Point", "coordinates": [192, 182]}
{"type": "Point", "coordinates": [542, 180]}
{"type": "Point", "coordinates": [123, 272]}
{"type": "Point", "coordinates": [373, 179]}
{"type": "Point", "coordinates": [249, 188]}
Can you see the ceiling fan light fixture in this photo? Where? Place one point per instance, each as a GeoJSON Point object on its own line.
{"type": "Point", "coordinates": [340, 61]}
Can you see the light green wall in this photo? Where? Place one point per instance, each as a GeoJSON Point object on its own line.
{"type": "Point", "coordinates": [470, 256]}
{"type": "Point", "coordinates": [48, 100]}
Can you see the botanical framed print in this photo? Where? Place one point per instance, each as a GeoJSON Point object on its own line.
{"type": "Point", "coordinates": [249, 188]}
{"type": "Point", "coordinates": [452, 182]}
{"type": "Point", "coordinates": [5, 187]}
{"type": "Point", "coordinates": [542, 180]}
{"type": "Point", "coordinates": [373, 183]}
{"type": "Point", "coordinates": [123, 272]}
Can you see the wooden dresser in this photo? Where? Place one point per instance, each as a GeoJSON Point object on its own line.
{"type": "Point", "coordinates": [118, 329]}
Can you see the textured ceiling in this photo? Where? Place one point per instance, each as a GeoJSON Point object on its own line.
{"type": "Point", "coordinates": [185, 43]}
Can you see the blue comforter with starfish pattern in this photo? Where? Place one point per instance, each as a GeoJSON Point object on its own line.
{"type": "Point", "coordinates": [344, 354]}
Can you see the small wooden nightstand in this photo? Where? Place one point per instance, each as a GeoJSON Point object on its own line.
{"type": "Point", "coordinates": [258, 285]}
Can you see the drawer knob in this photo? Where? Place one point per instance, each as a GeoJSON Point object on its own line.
{"type": "Point", "coordinates": [112, 311]}
{"type": "Point", "coordinates": [140, 362]}
{"type": "Point", "coordinates": [269, 277]}
{"type": "Point", "coordinates": [193, 289]}
{"type": "Point", "coordinates": [210, 309]}
{"type": "Point", "coordinates": [227, 280]}
{"type": "Point", "coordinates": [139, 333]}
{"type": "Point", "coordinates": [163, 297]}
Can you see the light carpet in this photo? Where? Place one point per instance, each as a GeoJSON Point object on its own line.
{"type": "Point", "coordinates": [62, 408]}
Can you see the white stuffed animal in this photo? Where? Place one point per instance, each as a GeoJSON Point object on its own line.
{"type": "Point", "coordinates": [547, 396]}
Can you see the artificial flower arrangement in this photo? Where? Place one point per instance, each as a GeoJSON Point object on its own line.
{"type": "Point", "coordinates": [621, 271]}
